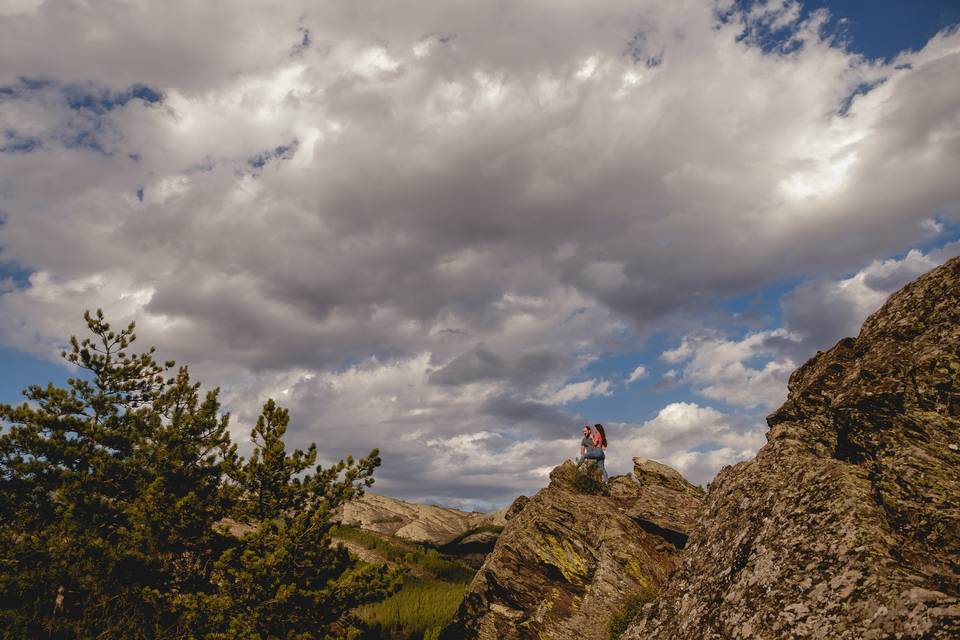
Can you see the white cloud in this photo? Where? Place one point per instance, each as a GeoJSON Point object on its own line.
{"type": "Point", "coordinates": [430, 218]}
{"type": "Point", "coordinates": [720, 368]}
{"type": "Point", "coordinates": [576, 391]}
{"type": "Point", "coordinates": [753, 371]}
{"type": "Point", "coordinates": [824, 310]}
{"type": "Point", "coordinates": [19, 7]}
{"type": "Point", "coordinates": [694, 439]}
{"type": "Point", "coordinates": [639, 373]}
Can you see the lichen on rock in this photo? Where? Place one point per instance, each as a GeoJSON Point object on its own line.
{"type": "Point", "coordinates": [846, 525]}
{"type": "Point", "coordinates": [574, 556]}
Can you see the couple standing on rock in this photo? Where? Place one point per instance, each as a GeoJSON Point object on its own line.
{"type": "Point", "coordinates": [593, 446]}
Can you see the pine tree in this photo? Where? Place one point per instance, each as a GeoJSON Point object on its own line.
{"type": "Point", "coordinates": [270, 481]}
{"type": "Point", "coordinates": [270, 583]}
{"type": "Point", "coordinates": [113, 492]}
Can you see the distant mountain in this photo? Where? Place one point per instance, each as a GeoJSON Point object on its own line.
{"type": "Point", "coordinates": [439, 548]}
{"type": "Point", "coordinates": [424, 523]}
{"type": "Point", "coordinates": [847, 523]}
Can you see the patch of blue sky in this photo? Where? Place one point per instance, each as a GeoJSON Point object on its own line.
{"type": "Point", "coordinates": [706, 447]}
{"type": "Point", "coordinates": [13, 142]}
{"type": "Point", "coordinates": [100, 100]}
{"type": "Point", "coordinates": [87, 128]}
{"type": "Point", "coordinates": [861, 90]}
{"type": "Point", "coordinates": [34, 84]}
{"type": "Point", "coordinates": [881, 29]}
{"type": "Point", "coordinates": [949, 232]}
{"type": "Point", "coordinates": [637, 401]}
{"type": "Point", "coordinates": [89, 135]}
{"type": "Point", "coordinates": [281, 152]}
{"type": "Point", "coordinates": [201, 167]}
{"type": "Point", "coordinates": [82, 97]}
{"type": "Point", "coordinates": [304, 42]}
{"type": "Point", "coordinates": [18, 370]}
{"type": "Point", "coordinates": [878, 30]}
{"type": "Point", "coordinates": [765, 30]}
{"type": "Point", "coordinates": [757, 310]}
{"type": "Point", "coordinates": [12, 276]}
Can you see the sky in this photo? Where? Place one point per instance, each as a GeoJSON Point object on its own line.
{"type": "Point", "coordinates": [457, 231]}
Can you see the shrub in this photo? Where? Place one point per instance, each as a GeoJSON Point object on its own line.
{"type": "Point", "coordinates": [628, 611]}
{"type": "Point", "coordinates": [427, 559]}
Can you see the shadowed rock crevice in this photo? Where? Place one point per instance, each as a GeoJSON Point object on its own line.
{"type": "Point", "coordinates": [676, 538]}
{"type": "Point", "coordinates": [846, 525]}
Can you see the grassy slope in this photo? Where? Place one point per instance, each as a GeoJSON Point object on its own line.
{"type": "Point", "coordinates": [420, 609]}
{"type": "Point", "coordinates": [429, 596]}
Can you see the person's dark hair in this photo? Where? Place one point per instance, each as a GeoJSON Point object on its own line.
{"type": "Point", "coordinates": [603, 435]}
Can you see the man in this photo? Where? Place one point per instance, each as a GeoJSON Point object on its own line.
{"type": "Point", "coordinates": [585, 445]}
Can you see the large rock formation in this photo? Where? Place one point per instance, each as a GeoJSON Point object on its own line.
{"type": "Point", "coordinates": [577, 553]}
{"type": "Point", "coordinates": [422, 523]}
{"type": "Point", "coordinates": [847, 523]}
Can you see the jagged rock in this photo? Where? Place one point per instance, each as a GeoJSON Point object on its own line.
{"type": "Point", "coordinates": [847, 523]}
{"type": "Point", "coordinates": [667, 503]}
{"type": "Point", "coordinates": [571, 557]}
{"type": "Point", "coordinates": [422, 523]}
{"type": "Point", "coordinates": [516, 507]}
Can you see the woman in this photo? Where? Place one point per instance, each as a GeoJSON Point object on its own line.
{"type": "Point", "coordinates": [599, 447]}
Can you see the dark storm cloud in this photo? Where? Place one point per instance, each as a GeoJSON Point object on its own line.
{"type": "Point", "coordinates": [525, 413]}
{"type": "Point", "coordinates": [525, 370]}
{"type": "Point", "coordinates": [475, 365]}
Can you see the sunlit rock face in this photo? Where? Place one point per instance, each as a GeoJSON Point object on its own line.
{"type": "Point", "coordinates": [579, 553]}
{"type": "Point", "coordinates": [425, 523]}
{"type": "Point", "coordinates": [847, 523]}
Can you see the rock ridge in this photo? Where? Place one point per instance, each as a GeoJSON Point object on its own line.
{"type": "Point", "coordinates": [422, 523]}
{"type": "Point", "coordinates": [846, 525]}
{"type": "Point", "coordinates": [575, 555]}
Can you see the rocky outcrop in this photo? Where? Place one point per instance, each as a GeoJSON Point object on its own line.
{"type": "Point", "coordinates": [577, 553]}
{"type": "Point", "coordinates": [847, 523]}
{"type": "Point", "coordinates": [421, 523]}
{"type": "Point", "coordinates": [665, 504]}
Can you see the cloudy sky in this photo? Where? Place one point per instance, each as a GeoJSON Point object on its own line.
{"type": "Point", "coordinates": [458, 230]}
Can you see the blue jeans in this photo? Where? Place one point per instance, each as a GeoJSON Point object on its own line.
{"type": "Point", "coordinates": [599, 456]}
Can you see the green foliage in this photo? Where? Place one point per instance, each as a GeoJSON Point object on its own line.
{"type": "Point", "coordinates": [425, 603]}
{"type": "Point", "coordinates": [589, 481]}
{"type": "Point", "coordinates": [426, 559]}
{"type": "Point", "coordinates": [270, 477]}
{"type": "Point", "coordinates": [419, 610]}
{"type": "Point", "coordinates": [110, 490]}
{"type": "Point", "coordinates": [630, 608]}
